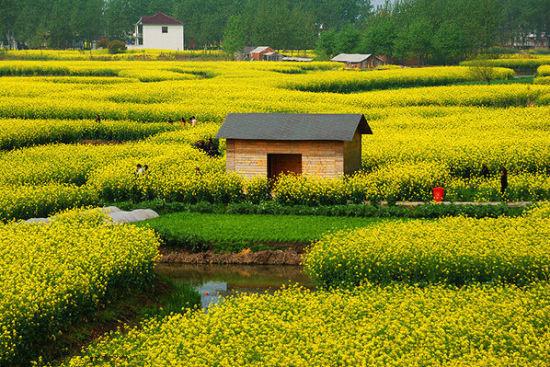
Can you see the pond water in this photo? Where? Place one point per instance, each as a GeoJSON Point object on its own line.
{"type": "Point", "coordinates": [216, 281]}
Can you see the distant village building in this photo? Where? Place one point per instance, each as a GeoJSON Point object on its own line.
{"type": "Point", "coordinates": [297, 59]}
{"type": "Point", "coordinates": [272, 56]}
{"type": "Point", "coordinates": [244, 54]}
{"type": "Point", "coordinates": [259, 53]}
{"type": "Point", "coordinates": [265, 53]}
{"type": "Point", "coordinates": [325, 145]}
{"type": "Point", "coordinates": [531, 40]}
{"type": "Point", "coordinates": [359, 61]}
{"type": "Point", "coordinates": [159, 31]}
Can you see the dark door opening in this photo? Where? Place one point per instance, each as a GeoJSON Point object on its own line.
{"type": "Point", "coordinates": [283, 163]}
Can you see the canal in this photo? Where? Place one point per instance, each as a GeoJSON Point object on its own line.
{"type": "Point", "coordinates": [214, 282]}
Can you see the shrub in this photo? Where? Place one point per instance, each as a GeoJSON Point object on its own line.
{"type": "Point", "coordinates": [117, 47]}
{"type": "Point", "coordinates": [103, 42]}
{"type": "Point", "coordinates": [209, 146]}
{"type": "Point", "coordinates": [483, 73]}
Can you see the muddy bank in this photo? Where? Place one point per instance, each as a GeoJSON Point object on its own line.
{"type": "Point", "coordinates": [266, 257]}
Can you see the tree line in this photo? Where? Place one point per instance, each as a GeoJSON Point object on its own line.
{"type": "Point", "coordinates": [439, 31]}
{"type": "Point", "coordinates": [282, 23]}
{"type": "Point", "coordinates": [429, 31]}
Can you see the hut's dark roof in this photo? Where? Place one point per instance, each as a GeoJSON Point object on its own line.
{"type": "Point", "coordinates": [283, 126]}
{"type": "Point", "coordinates": [160, 19]}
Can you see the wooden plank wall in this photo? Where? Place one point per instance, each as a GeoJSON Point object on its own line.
{"type": "Point", "coordinates": [352, 154]}
{"type": "Point", "coordinates": [319, 158]}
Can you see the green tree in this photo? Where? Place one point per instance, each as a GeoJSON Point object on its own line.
{"type": "Point", "coordinates": [414, 41]}
{"type": "Point", "coordinates": [450, 43]}
{"type": "Point", "coordinates": [326, 44]}
{"type": "Point", "coordinates": [234, 37]}
{"type": "Point", "coordinates": [379, 35]}
{"type": "Point", "coordinates": [347, 40]}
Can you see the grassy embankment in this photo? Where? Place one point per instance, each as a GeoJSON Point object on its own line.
{"type": "Point", "coordinates": [233, 232]}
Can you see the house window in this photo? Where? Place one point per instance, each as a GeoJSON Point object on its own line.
{"type": "Point", "coordinates": [164, 29]}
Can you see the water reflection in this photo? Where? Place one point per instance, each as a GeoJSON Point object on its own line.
{"type": "Point", "coordinates": [216, 281]}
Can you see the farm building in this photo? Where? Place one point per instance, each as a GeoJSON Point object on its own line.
{"type": "Point", "coordinates": [272, 56]}
{"type": "Point", "coordinates": [326, 145]}
{"type": "Point", "coordinates": [244, 54]}
{"type": "Point", "coordinates": [159, 31]}
{"type": "Point", "coordinates": [359, 61]}
{"type": "Point", "coordinates": [265, 53]}
{"type": "Point", "coordinates": [261, 53]}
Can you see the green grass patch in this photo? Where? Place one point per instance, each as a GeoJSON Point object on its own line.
{"type": "Point", "coordinates": [234, 232]}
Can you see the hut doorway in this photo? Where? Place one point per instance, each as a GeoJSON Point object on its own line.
{"type": "Point", "coordinates": [283, 163]}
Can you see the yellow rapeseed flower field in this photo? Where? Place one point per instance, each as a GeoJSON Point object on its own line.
{"type": "Point", "coordinates": [434, 126]}
{"type": "Point", "coordinates": [51, 274]}
{"type": "Point", "coordinates": [449, 251]}
{"type": "Point", "coordinates": [369, 326]}
{"type": "Point", "coordinates": [445, 134]}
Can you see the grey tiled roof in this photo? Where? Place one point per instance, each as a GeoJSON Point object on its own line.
{"type": "Point", "coordinates": [292, 126]}
{"type": "Point", "coordinates": [351, 57]}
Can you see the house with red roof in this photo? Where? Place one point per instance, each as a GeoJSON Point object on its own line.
{"type": "Point", "coordinates": [159, 31]}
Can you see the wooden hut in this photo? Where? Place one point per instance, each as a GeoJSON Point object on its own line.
{"type": "Point", "coordinates": [359, 61]}
{"type": "Point", "coordinates": [268, 144]}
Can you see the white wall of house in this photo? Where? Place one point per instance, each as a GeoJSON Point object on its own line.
{"type": "Point", "coordinates": [154, 37]}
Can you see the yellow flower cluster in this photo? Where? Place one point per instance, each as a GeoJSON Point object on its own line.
{"type": "Point", "coordinates": [513, 61]}
{"type": "Point", "coordinates": [23, 202]}
{"type": "Point", "coordinates": [20, 133]}
{"type": "Point", "coordinates": [53, 273]}
{"type": "Point", "coordinates": [348, 82]}
{"type": "Point", "coordinates": [63, 163]}
{"type": "Point", "coordinates": [496, 95]}
{"type": "Point", "coordinates": [184, 175]}
{"type": "Point", "coordinates": [406, 181]}
{"type": "Point", "coordinates": [395, 182]}
{"type": "Point", "coordinates": [451, 251]}
{"type": "Point", "coordinates": [370, 326]}
{"type": "Point", "coordinates": [542, 80]}
{"type": "Point", "coordinates": [544, 70]}
{"type": "Point", "coordinates": [104, 55]}
{"type": "Point", "coordinates": [462, 139]}
{"type": "Point", "coordinates": [211, 90]}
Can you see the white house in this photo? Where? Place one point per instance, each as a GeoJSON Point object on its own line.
{"type": "Point", "coordinates": [159, 31]}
